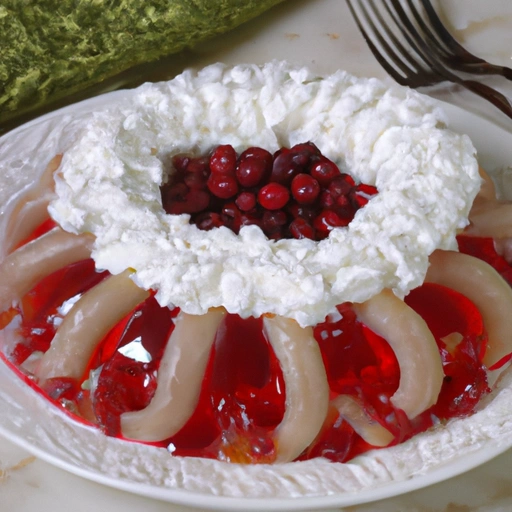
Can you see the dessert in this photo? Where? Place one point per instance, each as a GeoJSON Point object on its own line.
{"type": "Point", "coordinates": [297, 304]}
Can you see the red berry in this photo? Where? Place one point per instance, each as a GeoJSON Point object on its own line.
{"type": "Point", "coordinates": [285, 168]}
{"type": "Point", "coordinates": [223, 160]}
{"type": "Point", "coordinates": [250, 171]}
{"type": "Point", "coordinates": [173, 192]}
{"type": "Point", "coordinates": [306, 147]}
{"type": "Point", "coordinates": [362, 194]}
{"type": "Point", "coordinates": [198, 165]}
{"type": "Point", "coordinates": [327, 220]}
{"type": "Point", "coordinates": [231, 216]}
{"type": "Point", "coordinates": [222, 185]}
{"type": "Point", "coordinates": [208, 221]}
{"type": "Point", "coordinates": [323, 170]}
{"type": "Point", "coordinates": [341, 185]}
{"type": "Point", "coordinates": [305, 188]}
{"type": "Point", "coordinates": [194, 180]}
{"type": "Point", "coordinates": [302, 211]}
{"type": "Point", "coordinates": [326, 199]}
{"type": "Point", "coordinates": [258, 153]}
{"type": "Point", "coordinates": [246, 201]}
{"type": "Point", "coordinates": [273, 196]}
{"type": "Point", "coordinates": [301, 228]}
{"type": "Point", "coordinates": [273, 220]}
{"type": "Point", "coordinates": [181, 161]}
{"type": "Point", "coordinates": [194, 201]}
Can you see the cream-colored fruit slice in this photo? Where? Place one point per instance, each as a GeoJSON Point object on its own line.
{"type": "Point", "coordinates": [307, 389]}
{"type": "Point", "coordinates": [87, 323]}
{"type": "Point", "coordinates": [352, 412]}
{"type": "Point", "coordinates": [26, 266]}
{"type": "Point", "coordinates": [179, 379]}
{"type": "Point", "coordinates": [481, 284]}
{"type": "Point", "coordinates": [421, 368]}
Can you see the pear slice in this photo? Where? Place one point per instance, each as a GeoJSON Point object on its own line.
{"type": "Point", "coordinates": [32, 208]}
{"type": "Point", "coordinates": [26, 266]}
{"type": "Point", "coordinates": [353, 413]}
{"type": "Point", "coordinates": [481, 284]}
{"type": "Point", "coordinates": [87, 323]}
{"type": "Point", "coordinates": [307, 389]}
{"type": "Point", "coordinates": [421, 368]}
{"type": "Point", "coordinates": [179, 379]}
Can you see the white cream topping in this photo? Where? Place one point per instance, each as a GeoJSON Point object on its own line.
{"type": "Point", "coordinates": [427, 177]}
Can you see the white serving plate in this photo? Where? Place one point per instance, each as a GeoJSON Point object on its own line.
{"type": "Point", "coordinates": [316, 33]}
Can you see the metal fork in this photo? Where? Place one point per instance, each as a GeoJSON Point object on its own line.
{"type": "Point", "coordinates": [401, 49]}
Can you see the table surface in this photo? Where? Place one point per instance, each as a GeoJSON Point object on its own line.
{"type": "Point", "coordinates": [322, 35]}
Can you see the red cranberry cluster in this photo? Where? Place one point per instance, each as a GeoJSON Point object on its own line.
{"type": "Point", "coordinates": [295, 193]}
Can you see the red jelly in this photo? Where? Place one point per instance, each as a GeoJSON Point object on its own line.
{"type": "Point", "coordinates": [243, 392]}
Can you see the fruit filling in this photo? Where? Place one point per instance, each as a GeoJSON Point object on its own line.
{"type": "Point", "coordinates": [254, 390]}
{"type": "Point", "coordinates": [294, 193]}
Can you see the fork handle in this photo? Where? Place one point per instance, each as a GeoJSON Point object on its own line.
{"type": "Point", "coordinates": [498, 99]}
{"type": "Point", "coordinates": [480, 68]}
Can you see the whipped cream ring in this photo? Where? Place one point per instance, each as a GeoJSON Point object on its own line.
{"type": "Point", "coordinates": [393, 138]}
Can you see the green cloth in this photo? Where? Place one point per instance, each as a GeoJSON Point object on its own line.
{"type": "Point", "coordinates": [52, 48]}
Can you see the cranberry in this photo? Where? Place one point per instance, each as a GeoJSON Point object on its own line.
{"type": "Point", "coordinates": [305, 188]}
{"type": "Point", "coordinates": [300, 180]}
{"type": "Point", "coordinates": [180, 162]}
{"type": "Point", "coordinates": [194, 201]}
{"type": "Point", "coordinates": [174, 192]}
{"type": "Point", "coordinates": [259, 154]}
{"type": "Point", "coordinates": [327, 220]}
{"type": "Point", "coordinates": [285, 168]}
{"type": "Point", "coordinates": [246, 201]}
{"type": "Point", "coordinates": [306, 147]}
{"type": "Point", "coordinates": [194, 180]}
{"type": "Point", "coordinates": [326, 199]}
{"type": "Point", "coordinates": [230, 215]}
{"type": "Point", "coordinates": [198, 165]}
{"type": "Point", "coordinates": [273, 196]}
{"type": "Point", "coordinates": [362, 194]}
{"type": "Point", "coordinates": [209, 220]}
{"type": "Point", "coordinates": [222, 185]}
{"type": "Point", "coordinates": [324, 171]}
{"type": "Point", "coordinates": [341, 185]}
{"type": "Point", "coordinates": [250, 171]}
{"type": "Point", "coordinates": [248, 219]}
{"type": "Point", "coordinates": [223, 160]}
{"type": "Point", "coordinates": [273, 220]}
{"type": "Point", "coordinates": [302, 211]}
{"type": "Point", "coordinates": [301, 228]}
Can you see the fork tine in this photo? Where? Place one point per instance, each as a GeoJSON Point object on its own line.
{"type": "Point", "coordinates": [454, 54]}
{"type": "Point", "coordinates": [446, 37]}
{"type": "Point", "coordinates": [436, 43]}
{"type": "Point", "coordinates": [430, 70]}
{"type": "Point", "coordinates": [394, 65]}
{"type": "Point", "coordinates": [416, 40]}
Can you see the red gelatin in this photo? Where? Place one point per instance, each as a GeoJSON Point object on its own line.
{"type": "Point", "coordinates": [243, 393]}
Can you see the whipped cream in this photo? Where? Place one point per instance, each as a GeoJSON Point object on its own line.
{"type": "Point", "coordinates": [393, 138]}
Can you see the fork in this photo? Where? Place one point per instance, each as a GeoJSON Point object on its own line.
{"type": "Point", "coordinates": [414, 63]}
{"type": "Point", "coordinates": [448, 48]}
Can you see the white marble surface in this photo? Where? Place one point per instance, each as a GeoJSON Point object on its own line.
{"type": "Point", "coordinates": [321, 34]}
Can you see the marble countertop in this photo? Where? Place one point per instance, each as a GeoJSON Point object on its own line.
{"type": "Point", "coordinates": [322, 35]}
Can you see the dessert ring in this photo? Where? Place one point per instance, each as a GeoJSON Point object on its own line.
{"type": "Point", "coordinates": [108, 203]}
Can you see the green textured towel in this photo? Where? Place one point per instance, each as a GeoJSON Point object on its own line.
{"type": "Point", "coordinates": [52, 48]}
